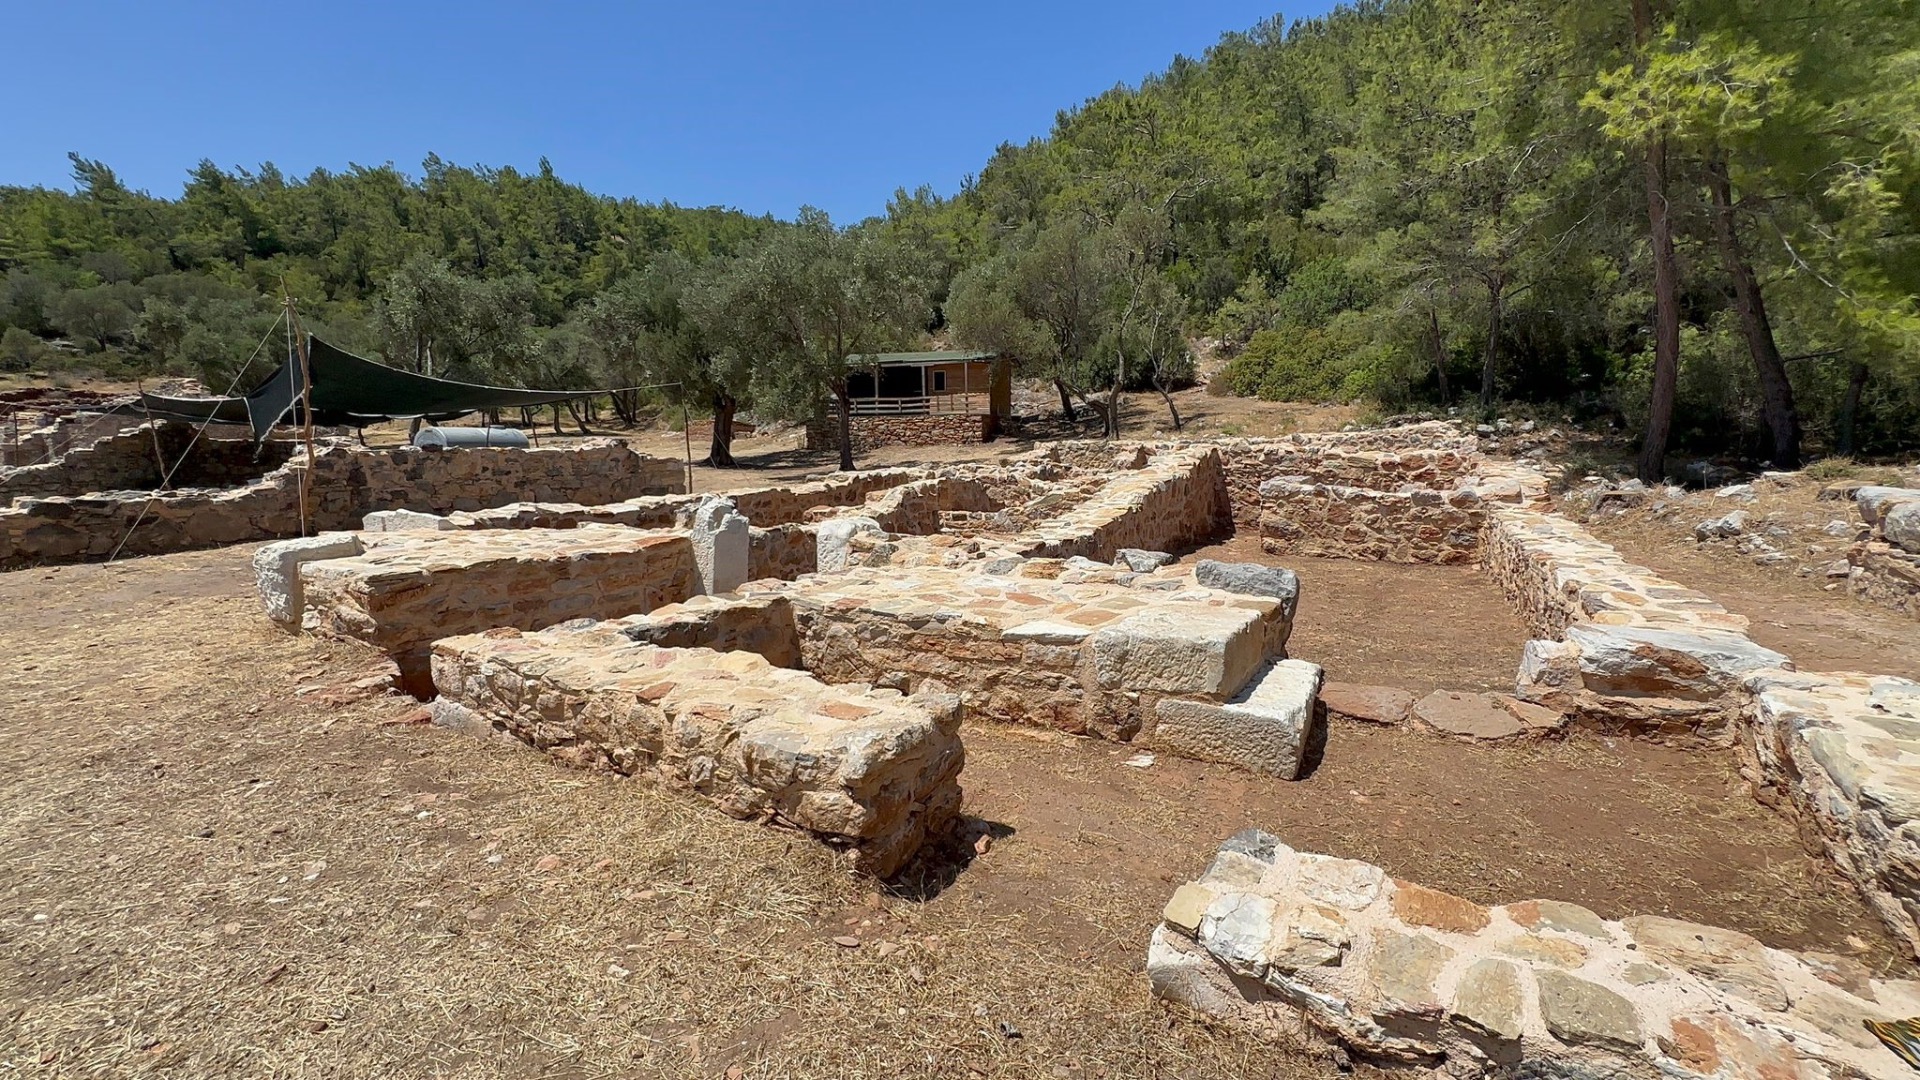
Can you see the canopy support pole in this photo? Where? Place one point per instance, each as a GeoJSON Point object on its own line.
{"type": "Point", "coordinates": [306, 401]}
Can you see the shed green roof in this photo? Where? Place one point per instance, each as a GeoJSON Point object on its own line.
{"type": "Point", "coordinates": [936, 356]}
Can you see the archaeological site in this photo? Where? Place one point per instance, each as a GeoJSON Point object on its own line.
{"type": "Point", "coordinates": [909, 670]}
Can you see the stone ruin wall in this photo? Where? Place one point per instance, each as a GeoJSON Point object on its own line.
{"type": "Point", "coordinates": [61, 434]}
{"type": "Point", "coordinates": [1885, 568]}
{"type": "Point", "coordinates": [1329, 520]}
{"type": "Point", "coordinates": [407, 590]}
{"type": "Point", "coordinates": [871, 772]}
{"type": "Point", "coordinates": [224, 456]}
{"type": "Point", "coordinates": [1335, 957]}
{"type": "Point", "coordinates": [1176, 499]}
{"type": "Point", "coordinates": [348, 484]}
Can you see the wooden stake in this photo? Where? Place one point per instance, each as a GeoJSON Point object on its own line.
{"type": "Point", "coordinates": [686, 429]}
{"type": "Point", "coordinates": [153, 428]}
{"type": "Point", "coordinates": [306, 403]}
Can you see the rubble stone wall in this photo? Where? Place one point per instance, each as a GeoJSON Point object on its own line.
{"type": "Point", "coordinates": [412, 588]}
{"type": "Point", "coordinates": [125, 461]}
{"type": "Point", "coordinates": [871, 432]}
{"type": "Point", "coordinates": [869, 772]}
{"type": "Point", "coordinates": [916, 508]}
{"type": "Point", "coordinates": [1334, 955]}
{"type": "Point", "coordinates": [62, 435]}
{"type": "Point", "coordinates": [1083, 655]}
{"type": "Point", "coordinates": [1885, 575]}
{"type": "Point", "coordinates": [1417, 526]}
{"type": "Point", "coordinates": [1619, 646]}
{"type": "Point", "coordinates": [1177, 499]}
{"type": "Point", "coordinates": [773, 505]}
{"type": "Point", "coordinates": [1841, 752]}
{"type": "Point", "coordinates": [348, 484]}
{"type": "Point", "coordinates": [782, 551]}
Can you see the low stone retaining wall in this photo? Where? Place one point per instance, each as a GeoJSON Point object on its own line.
{"type": "Point", "coordinates": [869, 772]}
{"type": "Point", "coordinates": [1619, 646]}
{"type": "Point", "coordinates": [782, 551]}
{"type": "Point", "coordinates": [1417, 526]}
{"type": "Point", "coordinates": [61, 435]}
{"type": "Point", "coordinates": [1327, 954]}
{"type": "Point", "coordinates": [771, 505]}
{"type": "Point", "coordinates": [1841, 752]}
{"type": "Point", "coordinates": [126, 461]}
{"type": "Point", "coordinates": [916, 508]}
{"type": "Point", "coordinates": [871, 432]}
{"type": "Point", "coordinates": [1319, 460]}
{"type": "Point", "coordinates": [348, 484]}
{"type": "Point", "coordinates": [1177, 499]}
{"type": "Point", "coordinates": [404, 590]}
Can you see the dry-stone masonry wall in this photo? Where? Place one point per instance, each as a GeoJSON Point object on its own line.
{"type": "Point", "coordinates": [1419, 525]}
{"type": "Point", "coordinates": [1334, 955]}
{"type": "Point", "coordinates": [1842, 753]}
{"type": "Point", "coordinates": [63, 434]}
{"type": "Point", "coordinates": [130, 460]}
{"type": "Point", "coordinates": [1885, 568]}
{"type": "Point", "coordinates": [1618, 645]}
{"type": "Point", "coordinates": [870, 432]}
{"type": "Point", "coordinates": [1177, 499]}
{"type": "Point", "coordinates": [407, 589]}
{"type": "Point", "coordinates": [871, 772]}
{"type": "Point", "coordinates": [348, 484]}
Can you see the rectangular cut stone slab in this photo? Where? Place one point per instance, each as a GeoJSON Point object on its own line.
{"type": "Point", "coordinates": [1267, 727]}
{"type": "Point", "coordinates": [871, 772]}
{"type": "Point", "coordinates": [276, 571]}
{"type": "Point", "coordinates": [1210, 651]}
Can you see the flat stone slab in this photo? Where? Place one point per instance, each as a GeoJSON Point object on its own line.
{"type": "Point", "coordinates": [1267, 727]}
{"type": "Point", "coordinates": [873, 773]}
{"type": "Point", "coordinates": [1466, 716]}
{"type": "Point", "coordinates": [1388, 705]}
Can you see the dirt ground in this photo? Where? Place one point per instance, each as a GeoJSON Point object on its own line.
{"type": "Point", "coordinates": [1795, 608]}
{"type": "Point", "coordinates": [1420, 628]}
{"type": "Point", "coordinates": [221, 859]}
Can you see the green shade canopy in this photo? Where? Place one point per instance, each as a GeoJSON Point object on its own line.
{"type": "Point", "coordinates": [348, 391]}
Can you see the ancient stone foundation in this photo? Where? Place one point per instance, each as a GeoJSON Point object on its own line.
{"type": "Point", "coordinates": [347, 484]}
{"type": "Point", "coordinates": [873, 773]}
{"type": "Point", "coordinates": [1335, 956]}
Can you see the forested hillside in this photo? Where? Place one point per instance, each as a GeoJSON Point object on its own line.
{"type": "Point", "coordinates": [1699, 219]}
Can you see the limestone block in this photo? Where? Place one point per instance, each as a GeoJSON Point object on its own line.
{"type": "Point", "coordinates": [1650, 662]}
{"type": "Point", "coordinates": [1212, 651]}
{"type": "Point", "coordinates": [1902, 526]}
{"type": "Point", "coordinates": [1578, 1011]}
{"type": "Point", "coordinates": [1251, 578]}
{"type": "Point", "coordinates": [276, 571]}
{"type": "Point", "coordinates": [405, 521]}
{"type": "Point", "coordinates": [836, 541]}
{"type": "Point", "coordinates": [722, 546]}
{"type": "Point", "coordinates": [1877, 501]}
{"type": "Point", "coordinates": [1267, 727]}
{"type": "Point", "coordinates": [1720, 528]}
{"type": "Point", "coordinates": [1139, 561]}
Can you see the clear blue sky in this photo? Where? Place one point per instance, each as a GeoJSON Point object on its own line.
{"type": "Point", "coordinates": [748, 103]}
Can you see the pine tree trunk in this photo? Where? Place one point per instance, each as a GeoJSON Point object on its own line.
{"type": "Point", "coordinates": [1439, 355]}
{"type": "Point", "coordinates": [720, 453]}
{"type": "Point", "coordinates": [1849, 440]}
{"type": "Point", "coordinates": [1496, 316]}
{"type": "Point", "coordinates": [1652, 466]}
{"type": "Point", "coordinates": [1066, 400]}
{"type": "Point", "coordinates": [1776, 390]}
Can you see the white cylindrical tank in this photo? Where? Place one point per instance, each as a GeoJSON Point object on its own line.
{"type": "Point", "coordinates": [447, 438]}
